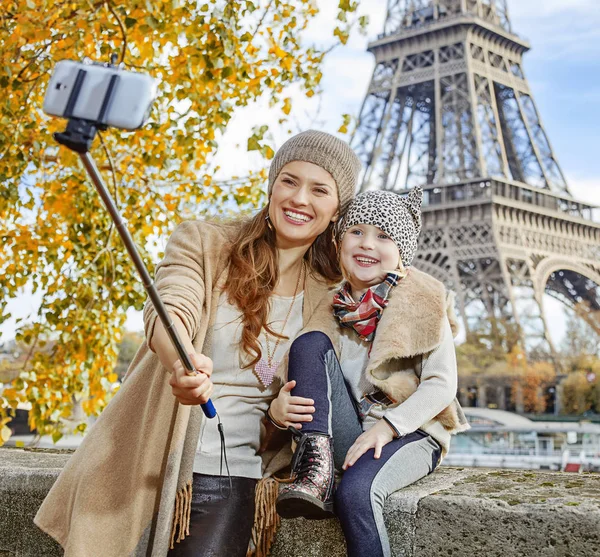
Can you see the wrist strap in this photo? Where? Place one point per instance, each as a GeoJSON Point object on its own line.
{"type": "Point", "coordinates": [273, 421]}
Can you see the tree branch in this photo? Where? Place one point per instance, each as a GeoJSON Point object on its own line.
{"type": "Point", "coordinates": [34, 343]}
{"type": "Point", "coordinates": [123, 32]}
{"type": "Point", "coordinates": [261, 20]}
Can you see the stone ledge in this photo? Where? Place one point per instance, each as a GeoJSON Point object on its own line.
{"type": "Point", "coordinates": [455, 512]}
{"type": "Point", "coordinates": [474, 512]}
{"type": "Point", "coordinates": [25, 479]}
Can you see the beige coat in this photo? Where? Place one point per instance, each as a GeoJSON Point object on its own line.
{"type": "Point", "coordinates": [411, 326]}
{"type": "Point", "coordinates": [126, 490]}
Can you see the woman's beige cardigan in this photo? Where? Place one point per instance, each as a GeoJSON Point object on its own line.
{"type": "Point", "coordinates": [126, 490]}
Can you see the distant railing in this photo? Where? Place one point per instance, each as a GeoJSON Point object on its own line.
{"type": "Point", "coordinates": [530, 451]}
{"type": "Point", "coordinates": [484, 189]}
{"type": "Point", "coordinates": [423, 25]}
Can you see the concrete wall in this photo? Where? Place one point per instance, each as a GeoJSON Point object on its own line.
{"type": "Point", "coordinates": [454, 512]}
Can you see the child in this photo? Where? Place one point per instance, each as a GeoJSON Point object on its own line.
{"type": "Point", "coordinates": [380, 366]}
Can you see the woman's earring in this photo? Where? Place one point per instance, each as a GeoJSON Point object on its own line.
{"type": "Point", "coordinates": [269, 223]}
{"type": "Point", "coordinates": [336, 246]}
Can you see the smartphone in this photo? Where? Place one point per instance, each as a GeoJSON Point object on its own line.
{"type": "Point", "coordinates": [131, 99]}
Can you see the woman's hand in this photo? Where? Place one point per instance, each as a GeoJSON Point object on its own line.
{"type": "Point", "coordinates": [376, 437]}
{"type": "Point", "coordinates": [192, 389]}
{"type": "Point", "coordinates": [288, 410]}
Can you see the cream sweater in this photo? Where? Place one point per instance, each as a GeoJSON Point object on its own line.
{"type": "Point", "coordinates": [241, 399]}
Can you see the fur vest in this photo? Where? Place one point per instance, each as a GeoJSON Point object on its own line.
{"type": "Point", "coordinates": [411, 326]}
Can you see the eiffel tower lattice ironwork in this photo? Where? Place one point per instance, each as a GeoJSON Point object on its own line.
{"type": "Point", "coordinates": [449, 109]}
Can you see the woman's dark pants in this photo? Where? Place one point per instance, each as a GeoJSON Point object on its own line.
{"type": "Point", "coordinates": [220, 525]}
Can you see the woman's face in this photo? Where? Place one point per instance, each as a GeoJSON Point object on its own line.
{"type": "Point", "coordinates": [367, 255]}
{"type": "Point", "coordinates": [304, 200]}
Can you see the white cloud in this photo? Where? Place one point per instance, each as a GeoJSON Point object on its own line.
{"type": "Point", "coordinates": [585, 189]}
{"type": "Point", "coordinates": [558, 29]}
{"type": "Point", "coordinates": [25, 307]}
{"type": "Point", "coordinates": [549, 8]}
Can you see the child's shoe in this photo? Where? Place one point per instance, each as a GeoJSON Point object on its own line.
{"type": "Point", "coordinates": [311, 493]}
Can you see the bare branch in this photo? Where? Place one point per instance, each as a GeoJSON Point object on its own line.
{"type": "Point", "coordinates": [35, 341]}
{"type": "Point", "coordinates": [261, 20]}
{"type": "Point", "coordinates": [123, 32]}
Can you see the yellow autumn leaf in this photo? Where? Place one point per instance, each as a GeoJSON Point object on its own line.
{"type": "Point", "coordinates": [287, 105]}
{"type": "Point", "coordinates": [5, 433]}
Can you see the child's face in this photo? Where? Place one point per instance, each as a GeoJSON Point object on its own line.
{"type": "Point", "coordinates": [367, 255]}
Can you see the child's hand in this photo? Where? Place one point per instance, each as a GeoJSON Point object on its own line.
{"type": "Point", "coordinates": [376, 437]}
{"type": "Point", "coordinates": [288, 410]}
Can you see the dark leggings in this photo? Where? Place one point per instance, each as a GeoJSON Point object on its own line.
{"type": "Point", "coordinates": [361, 494]}
{"type": "Point", "coordinates": [219, 525]}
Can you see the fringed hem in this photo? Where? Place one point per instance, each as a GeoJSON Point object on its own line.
{"type": "Point", "coordinates": [181, 518]}
{"type": "Point", "coordinates": [266, 519]}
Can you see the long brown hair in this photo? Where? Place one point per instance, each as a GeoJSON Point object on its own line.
{"type": "Point", "coordinates": [254, 272]}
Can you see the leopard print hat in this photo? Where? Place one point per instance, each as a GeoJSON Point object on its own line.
{"type": "Point", "coordinates": [399, 217]}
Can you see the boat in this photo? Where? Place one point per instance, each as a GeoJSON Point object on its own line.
{"type": "Point", "coordinates": [500, 439]}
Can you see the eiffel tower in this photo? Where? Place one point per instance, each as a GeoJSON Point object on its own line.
{"type": "Point", "coordinates": [449, 109]}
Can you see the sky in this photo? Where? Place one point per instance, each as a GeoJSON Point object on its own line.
{"type": "Point", "coordinates": [563, 71]}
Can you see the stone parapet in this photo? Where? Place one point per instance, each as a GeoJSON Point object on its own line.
{"type": "Point", "coordinates": [455, 512]}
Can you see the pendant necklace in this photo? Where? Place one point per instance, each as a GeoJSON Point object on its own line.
{"type": "Point", "coordinates": [266, 368]}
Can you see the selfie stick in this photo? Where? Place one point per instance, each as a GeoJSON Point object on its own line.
{"type": "Point", "coordinates": [78, 137]}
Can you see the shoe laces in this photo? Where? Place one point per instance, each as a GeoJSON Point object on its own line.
{"type": "Point", "coordinates": [307, 458]}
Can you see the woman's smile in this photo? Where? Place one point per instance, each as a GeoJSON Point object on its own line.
{"type": "Point", "coordinates": [296, 217]}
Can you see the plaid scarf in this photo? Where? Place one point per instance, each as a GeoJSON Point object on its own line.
{"type": "Point", "coordinates": [363, 316]}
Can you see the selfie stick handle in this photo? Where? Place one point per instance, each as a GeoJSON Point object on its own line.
{"type": "Point", "coordinates": [78, 137]}
{"type": "Point", "coordinates": [208, 407]}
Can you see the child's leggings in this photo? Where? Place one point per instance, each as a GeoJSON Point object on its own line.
{"type": "Point", "coordinates": [361, 494]}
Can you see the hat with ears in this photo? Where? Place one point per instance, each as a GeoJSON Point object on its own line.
{"type": "Point", "coordinates": [398, 217]}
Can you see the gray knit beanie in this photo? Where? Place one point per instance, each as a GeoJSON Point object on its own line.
{"type": "Point", "coordinates": [399, 217]}
{"type": "Point", "coordinates": [324, 150]}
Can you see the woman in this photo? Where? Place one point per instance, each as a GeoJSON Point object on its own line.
{"type": "Point", "coordinates": [146, 477]}
{"type": "Point", "coordinates": [383, 411]}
